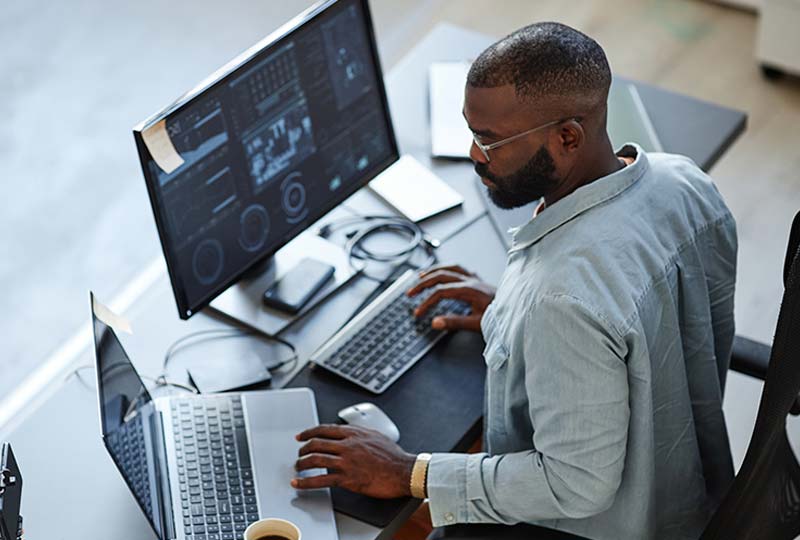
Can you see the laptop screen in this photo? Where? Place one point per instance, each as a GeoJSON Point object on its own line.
{"type": "Point", "coordinates": [126, 411]}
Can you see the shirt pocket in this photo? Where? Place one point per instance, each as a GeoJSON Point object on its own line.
{"type": "Point", "coordinates": [496, 355]}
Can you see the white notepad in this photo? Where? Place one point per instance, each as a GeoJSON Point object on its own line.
{"type": "Point", "coordinates": [450, 136]}
{"type": "Point", "coordinates": [414, 191]}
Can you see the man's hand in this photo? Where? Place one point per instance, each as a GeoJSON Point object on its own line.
{"type": "Point", "coordinates": [358, 459]}
{"type": "Point", "coordinates": [454, 282]}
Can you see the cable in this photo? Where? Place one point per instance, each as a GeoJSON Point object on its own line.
{"type": "Point", "coordinates": [356, 249]}
{"type": "Point", "coordinates": [159, 381]}
{"type": "Point", "coordinates": [195, 338]}
{"type": "Point", "coordinates": [190, 340]}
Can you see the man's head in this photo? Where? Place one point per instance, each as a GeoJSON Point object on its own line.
{"type": "Point", "coordinates": [545, 73]}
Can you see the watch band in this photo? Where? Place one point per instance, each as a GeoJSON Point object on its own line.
{"type": "Point", "coordinates": [419, 476]}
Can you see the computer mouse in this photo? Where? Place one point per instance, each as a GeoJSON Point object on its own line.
{"type": "Point", "coordinates": [369, 415]}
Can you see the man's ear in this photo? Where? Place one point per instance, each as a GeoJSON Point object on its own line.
{"type": "Point", "coordinates": [571, 136]}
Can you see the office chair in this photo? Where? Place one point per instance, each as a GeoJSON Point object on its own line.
{"type": "Point", "coordinates": [764, 500]}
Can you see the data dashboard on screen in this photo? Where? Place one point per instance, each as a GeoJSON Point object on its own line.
{"type": "Point", "coordinates": [267, 147]}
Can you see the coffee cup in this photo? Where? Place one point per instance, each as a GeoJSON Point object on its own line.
{"type": "Point", "coordinates": [272, 529]}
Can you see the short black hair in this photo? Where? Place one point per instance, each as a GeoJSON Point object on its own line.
{"type": "Point", "coordinates": [545, 59]}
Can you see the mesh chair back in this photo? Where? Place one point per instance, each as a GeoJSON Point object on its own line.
{"type": "Point", "coordinates": [764, 499]}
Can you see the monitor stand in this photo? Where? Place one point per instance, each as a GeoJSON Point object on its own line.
{"type": "Point", "coordinates": [243, 301]}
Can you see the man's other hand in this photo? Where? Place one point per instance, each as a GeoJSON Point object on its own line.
{"type": "Point", "coordinates": [358, 459]}
{"type": "Point", "coordinates": [459, 284]}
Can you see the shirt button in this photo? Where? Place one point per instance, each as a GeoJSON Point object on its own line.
{"type": "Point", "coordinates": [450, 518]}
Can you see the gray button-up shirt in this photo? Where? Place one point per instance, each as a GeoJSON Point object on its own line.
{"type": "Point", "coordinates": [606, 347]}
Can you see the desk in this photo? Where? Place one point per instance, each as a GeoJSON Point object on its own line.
{"type": "Point", "coordinates": [73, 491]}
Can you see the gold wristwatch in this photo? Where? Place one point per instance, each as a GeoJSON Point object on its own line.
{"type": "Point", "coordinates": [419, 476]}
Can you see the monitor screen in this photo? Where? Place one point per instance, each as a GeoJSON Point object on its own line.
{"type": "Point", "coordinates": [268, 146]}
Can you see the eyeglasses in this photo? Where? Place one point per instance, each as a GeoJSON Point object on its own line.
{"type": "Point", "coordinates": [484, 148]}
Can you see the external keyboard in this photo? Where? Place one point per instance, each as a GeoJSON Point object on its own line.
{"type": "Point", "coordinates": [218, 496]}
{"type": "Point", "coordinates": [385, 339]}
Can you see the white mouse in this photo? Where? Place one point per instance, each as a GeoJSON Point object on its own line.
{"type": "Point", "coordinates": [369, 415]}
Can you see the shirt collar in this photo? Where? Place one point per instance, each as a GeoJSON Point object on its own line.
{"type": "Point", "coordinates": [582, 199]}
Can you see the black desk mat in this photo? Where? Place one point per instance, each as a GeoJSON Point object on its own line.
{"type": "Point", "coordinates": [437, 406]}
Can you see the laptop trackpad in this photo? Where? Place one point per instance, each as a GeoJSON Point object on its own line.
{"type": "Point", "coordinates": [274, 417]}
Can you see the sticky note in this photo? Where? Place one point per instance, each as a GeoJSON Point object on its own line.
{"type": "Point", "coordinates": [117, 322]}
{"type": "Point", "coordinates": [161, 148]}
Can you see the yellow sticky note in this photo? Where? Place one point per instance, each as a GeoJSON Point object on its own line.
{"type": "Point", "coordinates": [161, 148]}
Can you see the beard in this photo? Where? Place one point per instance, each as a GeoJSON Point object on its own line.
{"type": "Point", "coordinates": [529, 183]}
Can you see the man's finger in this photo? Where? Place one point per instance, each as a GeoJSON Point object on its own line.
{"type": "Point", "coordinates": [457, 322]}
{"type": "Point", "coordinates": [449, 267]}
{"type": "Point", "coordinates": [315, 482]}
{"type": "Point", "coordinates": [435, 278]}
{"type": "Point", "coordinates": [320, 446]}
{"type": "Point", "coordinates": [446, 290]}
{"type": "Point", "coordinates": [318, 461]}
{"type": "Point", "coordinates": [324, 431]}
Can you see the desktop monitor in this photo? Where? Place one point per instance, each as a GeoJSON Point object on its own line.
{"type": "Point", "coordinates": [265, 147]}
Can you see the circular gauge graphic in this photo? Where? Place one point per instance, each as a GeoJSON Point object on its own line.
{"type": "Point", "coordinates": [293, 198]}
{"type": "Point", "coordinates": [207, 261]}
{"type": "Point", "coordinates": [254, 223]}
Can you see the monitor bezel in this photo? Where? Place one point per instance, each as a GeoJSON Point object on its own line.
{"type": "Point", "coordinates": [185, 310]}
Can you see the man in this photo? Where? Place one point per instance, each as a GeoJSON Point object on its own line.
{"type": "Point", "coordinates": [609, 336]}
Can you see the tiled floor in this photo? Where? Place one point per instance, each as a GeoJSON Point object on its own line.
{"type": "Point", "coordinates": [76, 76]}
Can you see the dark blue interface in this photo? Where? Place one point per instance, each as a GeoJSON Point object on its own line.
{"type": "Point", "coordinates": [268, 150]}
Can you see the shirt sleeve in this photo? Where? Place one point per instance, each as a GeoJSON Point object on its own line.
{"type": "Point", "coordinates": [576, 382]}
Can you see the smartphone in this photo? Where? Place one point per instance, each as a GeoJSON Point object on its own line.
{"type": "Point", "coordinates": [295, 288]}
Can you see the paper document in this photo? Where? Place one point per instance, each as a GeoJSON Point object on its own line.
{"type": "Point", "coordinates": [450, 136]}
{"type": "Point", "coordinates": [414, 191]}
{"type": "Point", "coordinates": [160, 146]}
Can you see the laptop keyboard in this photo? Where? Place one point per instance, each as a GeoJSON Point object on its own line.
{"type": "Point", "coordinates": [127, 444]}
{"type": "Point", "coordinates": [217, 491]}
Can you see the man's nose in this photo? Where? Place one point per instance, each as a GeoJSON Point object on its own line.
{"type": "Point", "coordinates": [476, 155]}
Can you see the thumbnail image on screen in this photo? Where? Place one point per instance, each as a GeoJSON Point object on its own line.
{"type": "Point", "coordinates": [269, 148]}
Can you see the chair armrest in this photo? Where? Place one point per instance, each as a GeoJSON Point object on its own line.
{"type": "Point", "coordinates": [752, 358]}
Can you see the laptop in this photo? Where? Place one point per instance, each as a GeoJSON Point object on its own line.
{"type": "Point", "coordinates": [203, 467]}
